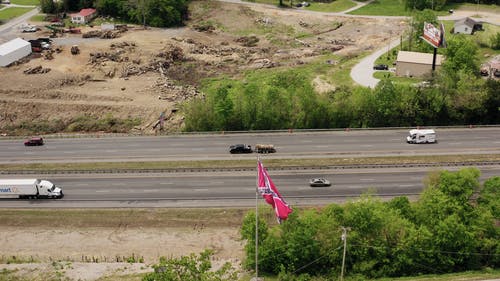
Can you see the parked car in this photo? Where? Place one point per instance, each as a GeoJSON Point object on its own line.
{"type": "Point", "coordinates": [319, 182]}
{"type": "Point", "coordinates": [484, 72]}
{"type": "Point", "coordinates": [33, 141]}
{"type": "Point", "coordinates": [302, 4]}
{"type": "Point", "coordinates": [381, 67]}
{"type": "Point", "coordinates": [497, 73]}
{"type": "Point", "coordinates": [30, 29]}
{"type": "Point", "coordinates": [240, 148]}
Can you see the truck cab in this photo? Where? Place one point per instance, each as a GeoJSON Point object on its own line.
{"type": "Point", "coordinates": [421, 136]}
{"type": "Point", "coordinates": [48, 189]}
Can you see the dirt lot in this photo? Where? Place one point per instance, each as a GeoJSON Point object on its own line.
{"type": "Point", "coordinates": [142, 73]}
{"type": "Point", "coordinates": [87, 244]}
{"type": "Point", "coordinates": [93, 253]}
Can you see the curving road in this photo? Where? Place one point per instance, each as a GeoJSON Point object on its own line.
{"type": "Point", "coordinates": [355, 143]}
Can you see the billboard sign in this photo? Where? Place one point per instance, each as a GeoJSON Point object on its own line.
{"type": "Point", "coordinates": [432, 35]}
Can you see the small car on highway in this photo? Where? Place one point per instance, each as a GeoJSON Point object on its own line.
{"type": "Point", "coordinates": [240, 148]}
{"type": "Point", "coordinates": [319, 182]}
{"type": "Point", "coordinates": [34, 141]}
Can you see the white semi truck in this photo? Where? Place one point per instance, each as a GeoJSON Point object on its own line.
{"type": "Point", "coordinates": [29, 189]}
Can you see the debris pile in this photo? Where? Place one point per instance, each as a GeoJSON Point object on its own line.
{"type": "Point", "coordinates": [36, 70]}
{"type": "Point", "coordinates": [106, 34]}
{"type": "Point", "coordinates": [248, 41]}
{"type": "Point", "coordinates": [172, 92]}
{"type": "Point", "coordinates": [99, 57]}
{"type": "Point", "coordinates": [204, 27]}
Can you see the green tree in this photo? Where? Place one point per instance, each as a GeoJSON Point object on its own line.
{"type": "Point", "coordinates": [461, 55]}
{"type": "Point", "coordinates": [48, 6]}
{"type": "Point", "coordinates": [490, 196]}
{"type": "Point", "coordinates": [112, 8]}
{"type": "Point", "coordinates": [495, 41]}
{"type": "Point", "coordinates": [248, 234]}
{"type": "Point", "coordinates": [192, 267]}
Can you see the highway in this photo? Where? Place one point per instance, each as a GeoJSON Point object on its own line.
{"type": "Point", "coordinates": [237, 188]}
{"type": "Point", "coordinates": [354, 143]}
{"type": "Point", "coordinates": [227, 189]}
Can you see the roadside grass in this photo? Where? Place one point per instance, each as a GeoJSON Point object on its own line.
{"type": "Point", "coordinates": [383, 8]}
{"type": "Point", "coordinates": [250, 163]}
{"type": "Point", "coordinates": [483, 39]}
{"type": "Point", "coordinates": [480, 8]}
{"type": "Point", "coordinates": [332, 7]}
{"type": "Point", "coordinates": [137, 218]}
{"type": "Point", "coordinates": [38, 18]}
{"type": "Point", "coordinates": [395, 79]}
{"type": "Point", "coordinates": [26, 2]}
{"type": "Point", "coordinates": [13, 12]}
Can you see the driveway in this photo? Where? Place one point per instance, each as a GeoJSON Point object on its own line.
{"type": "Point", "coordinates": [8, 30]}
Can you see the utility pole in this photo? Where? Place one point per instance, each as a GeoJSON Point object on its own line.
{"type": "Point", "coordinates": [344, 238]}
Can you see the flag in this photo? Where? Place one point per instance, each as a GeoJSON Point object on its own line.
{"type": "Point", "coordinates": [270, 193]}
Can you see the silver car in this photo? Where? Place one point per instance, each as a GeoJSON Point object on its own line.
{"type": "Point", "coordinates": [319, 182]}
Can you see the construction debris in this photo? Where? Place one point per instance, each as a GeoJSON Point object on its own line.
{"type": "Point", "coordinates": [248, 41]}
{"type": "Point", "coordinates": [36, 70]}
{"type": "Point", "coordinates": [106, 34]}
{"type": "Point", "coordinates": [75, 50]}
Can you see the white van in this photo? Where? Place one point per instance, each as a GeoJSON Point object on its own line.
{"type": "Point", "coordinates": [421, 136]}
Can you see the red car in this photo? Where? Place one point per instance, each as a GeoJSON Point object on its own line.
{"type": "Point", "coordinates": [33, 141]}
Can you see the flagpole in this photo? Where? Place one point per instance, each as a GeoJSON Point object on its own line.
{"type": "Point", "coordinates": [257, 223]}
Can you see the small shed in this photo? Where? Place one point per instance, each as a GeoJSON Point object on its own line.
{"type": "Point", "coordinates": [414, 64]}
{"type": "Point", "coordinates": [84, 16]}
{"type": "Point", "coordinates": [14, 50]}
{"type": "Point", "coordinates": [466, 26]}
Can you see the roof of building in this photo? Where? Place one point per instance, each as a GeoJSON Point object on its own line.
{"type": "Point", "coordinates": [85, 12]}
{"type": "Point", "coordinates": [415, 57]}
{"type": "Point", "coordinates": [13, 45]}
{"type": "Point", "coordinates": [467, 21]}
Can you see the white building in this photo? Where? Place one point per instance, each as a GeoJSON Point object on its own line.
{"type": "Point", "coordinates": [14, 50]}
{"type": "Point", "coordinates": [84, 16]}
{"type": "Point", "coordinates": [466, 26]}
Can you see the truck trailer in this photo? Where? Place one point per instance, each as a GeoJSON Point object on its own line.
{"type": "Point", "coordinates": [29, 189]}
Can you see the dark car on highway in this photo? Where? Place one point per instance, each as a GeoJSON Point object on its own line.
{"type": "Point", "coordinates": [381, 67]}
{"type": "Point", "coordinates": [33, 141]}
{"type": "Point", "coordinates": [240, 148]}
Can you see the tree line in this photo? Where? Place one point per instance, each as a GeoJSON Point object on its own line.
{"type": "Point", "coordinates": [283, 99]}
{"type": "Point", "coordinates": [447, 230]}
{"type": "Point", "coordinates": [155, 13]}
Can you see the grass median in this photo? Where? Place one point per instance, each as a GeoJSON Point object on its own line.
{"type": "Point", "coordinates": [249, 163]}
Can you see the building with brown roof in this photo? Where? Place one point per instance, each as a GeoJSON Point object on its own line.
{"type": "Point", "coordinates": [414, 64]}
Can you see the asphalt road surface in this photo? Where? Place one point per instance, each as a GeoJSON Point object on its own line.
{"type": "Point", "coordinates": [227, 189]}
{"type": "Point", "coordinates": [354, 143]}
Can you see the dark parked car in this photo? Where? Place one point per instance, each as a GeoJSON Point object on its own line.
{"type": "Point", "coordinates": [381, 67]}
{"type": "Point", "coordinates": [240, 148]}
{"type": "Point", "coordinates": [33, 141]}
{"type": "Point", "coordinates": [319, 182]}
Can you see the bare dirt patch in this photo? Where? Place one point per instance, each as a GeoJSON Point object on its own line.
{"type": "Point", "coordinates": [90, 244]}
{"type": "Point", "coordinates": [145, 72]}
